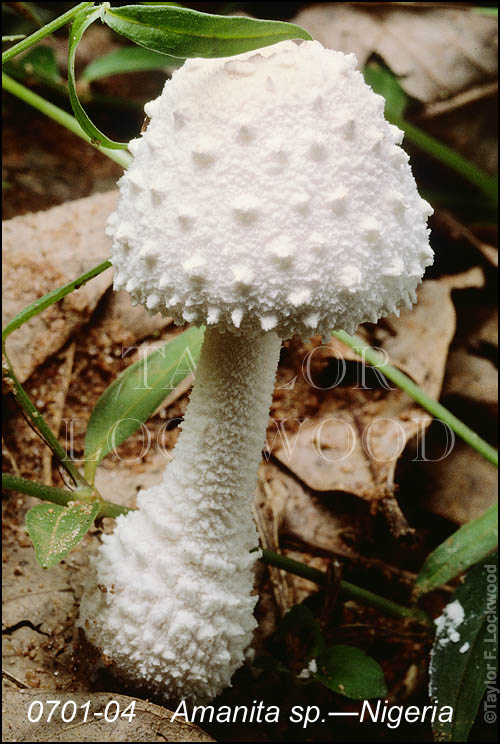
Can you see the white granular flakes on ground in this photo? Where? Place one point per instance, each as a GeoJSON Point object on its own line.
{"type": "Point", "coordinates": [269, 192]}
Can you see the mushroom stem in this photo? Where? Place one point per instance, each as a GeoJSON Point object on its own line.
{"type": "Point", "coordinates": [170, 600]}
{"type": "Point", "coordinates": [219, 450]}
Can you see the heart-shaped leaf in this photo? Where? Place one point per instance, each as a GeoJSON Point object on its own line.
{"type": "Point", "coordinates": [55, 529]}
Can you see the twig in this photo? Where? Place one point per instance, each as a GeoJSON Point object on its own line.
{"type": "Point", "coordinates": [10, 457]}
{"type": "Point", "coordinates": [59, 407]}
{"type": "Point", "coordinates": [13, 679]}
{"type": "Point", "coordinates": [461, 99]}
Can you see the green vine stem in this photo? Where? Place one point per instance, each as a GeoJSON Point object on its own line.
{"type": "Point", "coordinates": [27, 405]}
{"type": "Point", "coordinates": [60, 116]}
{"type": "Point", "coordinates": [414, 391]}
{"type": "Point", "coordinates": [37, 36]}
{"type": "Point", "coordinates": [347, 589]}
{"type": "Point", "coordinates": [52, 297]}
{"type": "Point", "coordinates": [61, 496]}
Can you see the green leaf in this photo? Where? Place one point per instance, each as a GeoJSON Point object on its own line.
{"type": "Point", "coordinates": [386, 84]}
{"type": "Point", "coordinates": [135, 394]}
{"type": "Point", "coordinates": [55, 530]}
{"type": "Point", "coordinates": [128, 59]}
{"type": "Point", "coordinates": [41, 62]}
{"type": "Point", "coordinates": [81, 23]}
{"type": "Point", "coordinates": [462, 666]}
{"type": "Point", "coordinates": [182, 32]}
{"type": "Point", "coordinates": [464, 548]}
{"type": "Point", "coordinates": [350, 672]}
{"type": "Point", "coordinates": [302, 634]}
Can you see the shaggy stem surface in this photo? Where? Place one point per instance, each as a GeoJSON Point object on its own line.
{"type": "Point", "coordinates": [177, 613]}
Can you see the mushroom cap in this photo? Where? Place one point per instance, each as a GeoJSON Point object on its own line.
{"type": "Point", "coordinates": [268, 192]}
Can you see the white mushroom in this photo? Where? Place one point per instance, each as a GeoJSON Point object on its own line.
{"type": "Point", "coordinates": [267, 197]}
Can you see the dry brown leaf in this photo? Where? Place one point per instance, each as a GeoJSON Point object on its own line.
{"type": "Point", "coordinates": [39, 608]}
{"type": "Point", "coordinates": [446, 224]}
{"type": "Point", "coordinates": [290, 515]}
{"type": "Point", "coordinates": [487, 333]}
{"type": "Point", "coordinates": [461, 486]}
{"type": "Point", "coordinates": [354, 438]}
{"type": "Point", "coordinates": [43, 251]}
{"type": "Point", "coordinates": [151, 722]}
{"type": "Point", "coordinates": [465, 123]}
{"type": "Point", "coordinates": [473, 378]}
{"type": "Point", "coordinates": [125, 323]}
{"type": "Point", "coordinates": [436, 51]}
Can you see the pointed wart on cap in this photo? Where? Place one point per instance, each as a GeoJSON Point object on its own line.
{"type": "Point", "coordinates": [133, 146]}
{"type": "Point", "coordinates": [239, 68]}
{"type": "Point", "coordinates": [300, 297]}
{"type": "Point", "coordinates": [371, 228]}
{"type": "Point", "coordinates": [268, 322]}
{"type": "Point", "coordinates": [237, 316]}
{"type": "Point", "coordinates": [152, 108]}
{"type": "Point", "coordinates": [337, 200]}
{"type": "Point", "coordinates": [246, 209]}
{"type": "Point", "coordinates": [243, 274]}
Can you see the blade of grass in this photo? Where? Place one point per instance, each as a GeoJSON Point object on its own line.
{"type": "Point", "coordinates": [43, 32]}
{"type": "Point", "coordinates": [128, 59]}
{"type": "Point", "coordinates": [414, 391]}
{"type": "Point", "coordinates": [60, 495]}
{"type": "Point", "coordinates": [61, 117]}
{"type": "Point", "coordinates": [486, 11]}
